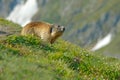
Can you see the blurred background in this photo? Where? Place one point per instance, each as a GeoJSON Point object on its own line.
{"type": "Point", "coordinates": [91, 24]}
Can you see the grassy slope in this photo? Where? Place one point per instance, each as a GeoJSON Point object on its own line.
{"type": "Point", "coordinates": [8, 28]}
{"type": "Point", "coordinates": [24, 58]}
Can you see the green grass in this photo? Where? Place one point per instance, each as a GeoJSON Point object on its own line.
{"type": "Point", "coordinates": [27, 58]}
{"type": "Point", "coordinates": [6, 23]}
{"type": "Point", "coordinates": [8, 28]}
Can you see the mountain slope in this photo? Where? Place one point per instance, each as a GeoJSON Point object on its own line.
{"type": "Point", "coordinates": [86, 21]}
{"type": "Point", "coordinates": [25, 58]}
{"type": "Point", "coordinates": [7, 28]}
{"type": "Point", "coordinates": [112, 49]}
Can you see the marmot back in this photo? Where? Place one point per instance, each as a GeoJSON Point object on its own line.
{"type": "Point", "coordinates": [46, 31]}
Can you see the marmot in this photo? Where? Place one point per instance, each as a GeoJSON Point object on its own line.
{"type": "Point", "coordinates": [46, 31]}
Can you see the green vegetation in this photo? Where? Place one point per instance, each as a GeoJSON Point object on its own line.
{"type": "Point", "coordinates": [8, 28]}
{"type": "Point", "coordinates": [86, 21]}
{"type": "Point", "coordinates": [27, 58]}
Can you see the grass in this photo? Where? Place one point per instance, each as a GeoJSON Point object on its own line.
{"type": "Point", "coordinates": [26, 58]}
{"type": "Point", "coordinates": [8, 28]}
{"type": "Point", "coordinates": [6, 23]}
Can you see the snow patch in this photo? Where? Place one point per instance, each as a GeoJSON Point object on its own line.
{"type": "Point", "coordinates": [23, 12]}
{"type": "Point", "coordinates": [105, 41]}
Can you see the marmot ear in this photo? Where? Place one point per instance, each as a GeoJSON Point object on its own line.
{"type": "Point", "coordinates": [51, 28]}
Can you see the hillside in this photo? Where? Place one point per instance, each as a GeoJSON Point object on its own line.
{"type": "Point", "coordinates": [7, 28]}
{"type": "Point", "coordinates": [112, 49]}
{"type": "Point", "coordinates": [86, 21]}
{"type": "Point", "coordinates": [25, 58]}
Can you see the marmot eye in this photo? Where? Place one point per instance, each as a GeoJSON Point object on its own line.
{"type": "Point", "coordinates": [58, 25]}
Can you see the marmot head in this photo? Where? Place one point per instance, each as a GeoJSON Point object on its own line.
{"type": "Point", "coordinates": [57, 30]}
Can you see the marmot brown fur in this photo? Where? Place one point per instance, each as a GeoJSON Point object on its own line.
{"type": "Point", "coordinates": [46, 31]}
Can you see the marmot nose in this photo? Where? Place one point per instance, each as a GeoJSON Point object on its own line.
{"type": "Point", "coordinates": [63, 28]}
